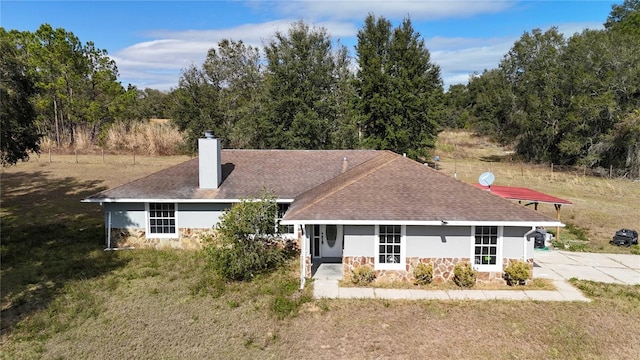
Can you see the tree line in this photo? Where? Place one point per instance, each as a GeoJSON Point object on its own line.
{"type": "Point", "coordinates": [571, 101]}
{"type": "Point", "coordinates": [297, 92]}
{"type": "Point", "coordinates": [303, 94]}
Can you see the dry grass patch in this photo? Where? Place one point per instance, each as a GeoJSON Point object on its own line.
{"type": "Point", "coordinates": [363, 329]}
{"type": "Point", "coordinates": [155, 137]}
{"type": "Point", "coordinates": [601, 206]}
{"type": "Point", "coordinates": [161, 304]}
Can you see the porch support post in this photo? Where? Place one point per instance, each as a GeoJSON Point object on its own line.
{"type": "Point", "coordinates": [558, 207]}
{"type": "Point", "coordinates": [526, 239]}
{"type": "Point", "coordinates": [303, 254]}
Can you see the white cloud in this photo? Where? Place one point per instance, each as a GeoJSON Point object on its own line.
{"type": "Point", "coordinates": [158, 63]}
{"type": "Point", "coordinates": [569, 29]}
{"type": "Point", "coordinates": [154, 63]}
{"type": "Point", "coordinates": [458, 58]}
{"type": "Point", "coordinates": [254, 34]}
{"type": "Point", "coordinates": [358, 9]}
{"type": "Point", "coordinates": [455, 78]}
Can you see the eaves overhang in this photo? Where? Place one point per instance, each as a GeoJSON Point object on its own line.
{"type": "Point", "coordinates": [443, 222]}
{"type": "Point", "coordinates": [162, 200]}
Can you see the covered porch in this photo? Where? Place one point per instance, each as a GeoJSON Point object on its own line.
{"type": "Point", "coordinates": [322, 244]}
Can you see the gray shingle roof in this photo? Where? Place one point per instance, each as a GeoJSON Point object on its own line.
{"type": "Point", "coordinates": [245, 173]}
{"type": "Point", "coordinates": [331, 185]}
{"type": "Point", "coordinates": [394, 188]}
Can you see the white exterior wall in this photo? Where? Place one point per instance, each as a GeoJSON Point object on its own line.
{"type": "Point", "coordinates": [514, 244]}
{"type": "Point", "coordinates": [125, 215]}
{"type": "Point", "coordinates": [134, 215]}
{"type": "Point", "coordinates": [359, 240]}
{"type": "Point", "coordinates": [438, 241]}
{"type": "Point", "coordinates": [200, 216]}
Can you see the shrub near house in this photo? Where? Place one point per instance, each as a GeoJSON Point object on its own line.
{"type": "Point", "coordinates": [247, 242]}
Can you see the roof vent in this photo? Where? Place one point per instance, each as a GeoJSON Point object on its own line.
{"type": "Point", "coordinates": [208, 134]}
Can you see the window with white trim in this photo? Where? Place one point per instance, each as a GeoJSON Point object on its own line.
{"type": "Point", "coordinates": [390, 252]}
{"type": "Point", "coordinates": [162, 219]}
{"type": "Point", "coordinates": [485, 248]}
{"type": "Point", "coordinates": [283, 229]}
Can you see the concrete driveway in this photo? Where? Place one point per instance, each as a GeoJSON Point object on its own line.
{"type": "Point", "coordinates": [607, 268]}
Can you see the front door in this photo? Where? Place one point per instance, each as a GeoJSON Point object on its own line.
{"type": "Point", "coordinates": [332, 241]}
{"type": "Point", "coordinates": [326, 241]}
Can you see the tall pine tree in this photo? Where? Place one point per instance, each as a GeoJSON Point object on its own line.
{"type": "Point", "coordinates": [400, 95]}
{"type": "Point", "coordinates": [301, 78]}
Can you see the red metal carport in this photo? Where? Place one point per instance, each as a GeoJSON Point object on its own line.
{"type": "Point", "coordinates": [528, 195]}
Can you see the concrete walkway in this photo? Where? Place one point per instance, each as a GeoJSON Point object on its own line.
{"type": "Point", "coordinates": [608, 268]}
{"type": "Point", "coordinates": [559, 266]}
{"type": "Point", "coordinates": [330, 289]}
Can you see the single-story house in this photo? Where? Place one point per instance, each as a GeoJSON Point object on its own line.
{"type": "Point", "coordinates": [357, 207]}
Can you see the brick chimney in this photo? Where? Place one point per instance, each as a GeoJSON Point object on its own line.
{"type": "Point", "coordinates": [210, 168]}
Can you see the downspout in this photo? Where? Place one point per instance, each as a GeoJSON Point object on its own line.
{"type": "Point", "coordinates": [524, 248]}
{"type": "Point", "coordinates": [109, 248]}
{"type": "Point", "coordinates": [108, 230]}
{"type": "Point", "coordinates": [303, 260]}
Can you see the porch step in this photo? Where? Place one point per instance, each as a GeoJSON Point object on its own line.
{"type": "Point", "coordinates": [328, 272]}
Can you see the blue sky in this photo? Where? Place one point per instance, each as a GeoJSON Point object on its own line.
{"type": "Point", "coordinates": [151, 41]}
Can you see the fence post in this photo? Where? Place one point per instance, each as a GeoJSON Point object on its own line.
{"type": "Point", "coordinates": [49, 154]}
{"type": "Point", "coordinates": [75, 151]}
{"type": "Point", "coordinates": [102, 154]}
{"type": "Point", "coordinates": [610, 171]}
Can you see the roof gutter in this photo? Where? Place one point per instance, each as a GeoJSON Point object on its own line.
{"type": "Point", "coordinates": [185, 201]}
{"type": "Point", "coordinates": [530, 223]}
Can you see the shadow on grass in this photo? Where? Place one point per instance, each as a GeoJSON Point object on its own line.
{"type": "Point", "coordinates": [49, 238]}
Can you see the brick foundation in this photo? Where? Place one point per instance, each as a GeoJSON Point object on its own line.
{"type": "Point", "coordinates": [442, 269]}
{"type": "Point", "coordinates": [308, 265]}
{"type": "Point", "coordinates": [136, 237]}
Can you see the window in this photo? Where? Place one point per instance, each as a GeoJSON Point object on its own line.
{"type": "Point", "coordinates": [162, 219]}
{"type": "Point", "coordinates": [486, 246]}
{"type": "Point", "coordinates": [390, 247]}
{"type": "Point", "coordinates": [317, 237]}
{"type": "Point", "coordinates": [283, 229]}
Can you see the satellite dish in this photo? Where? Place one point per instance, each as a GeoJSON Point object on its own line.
{"type": "Point", "coordinates": [486, 178]}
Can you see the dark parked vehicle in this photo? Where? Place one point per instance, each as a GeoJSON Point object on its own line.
{"type": "Point", "coordinates": [625, 237]}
